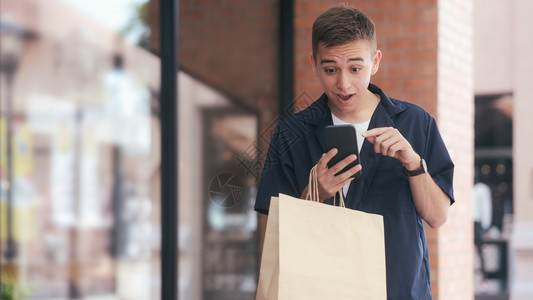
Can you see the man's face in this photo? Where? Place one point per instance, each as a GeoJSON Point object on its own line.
{"type": "Point", "coordinates": [344, 72]}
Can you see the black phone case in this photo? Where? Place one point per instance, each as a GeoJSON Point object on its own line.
{"type": "Point", "coordinates": [342, 137]}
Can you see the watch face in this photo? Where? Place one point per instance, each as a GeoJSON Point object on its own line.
{"type": "Point", "coordinates": [424, 166]}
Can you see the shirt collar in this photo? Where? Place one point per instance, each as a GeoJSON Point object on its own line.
{"type": "Point", "coordinates": [322, 113]}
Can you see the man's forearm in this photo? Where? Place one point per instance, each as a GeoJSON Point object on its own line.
{"type": "Point", "coordinates": [430, 201]}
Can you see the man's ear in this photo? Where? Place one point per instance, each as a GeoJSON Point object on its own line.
{"type": "Point", "coordinates": [375, 62]}
{"type": "Point", "coordinates": [312, 60]}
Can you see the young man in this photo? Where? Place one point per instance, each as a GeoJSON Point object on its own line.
{"type": "Point", "coordinates": [406, 170]}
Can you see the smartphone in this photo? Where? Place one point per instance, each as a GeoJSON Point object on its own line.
{"type": "Point", "coordinates": [342, 137]}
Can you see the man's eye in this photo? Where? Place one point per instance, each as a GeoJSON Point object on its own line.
{"type": "Point", "coordinates": [329, 71]}
{"type": "Point", "coordinates": [355, 70]}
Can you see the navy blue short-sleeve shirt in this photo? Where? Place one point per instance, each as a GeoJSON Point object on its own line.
{"type": "Point", "coordinates": [383, 188]}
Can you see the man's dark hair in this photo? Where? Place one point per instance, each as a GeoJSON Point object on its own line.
{"type": "Point", "coordinates": [341, 25]}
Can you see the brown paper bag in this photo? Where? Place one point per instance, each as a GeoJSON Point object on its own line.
{"type": "Point", "coordinates": [318, 251]}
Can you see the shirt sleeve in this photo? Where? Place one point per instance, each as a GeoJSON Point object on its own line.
{"type": "Point", "coordinates": [278, 171]}
{"type": "Point", "coordinates": [438, 160]}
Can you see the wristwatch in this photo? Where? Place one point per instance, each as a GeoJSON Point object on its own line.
{"type": "Point", "coordinates": [420, 170]}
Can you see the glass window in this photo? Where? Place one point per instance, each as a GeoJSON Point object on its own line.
{"type": "Point", "coordinates": [493, 192]}
{"type": "Point", "coordinates": [219, 162]}
{"type": "Point", "coordinates": [80, 150]}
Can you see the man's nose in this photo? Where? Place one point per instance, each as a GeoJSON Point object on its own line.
{"type": "Point", "coordinates": [343, 82]}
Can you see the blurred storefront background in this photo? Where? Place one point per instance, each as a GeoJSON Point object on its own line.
{"type": "Point", "coordinates": [80, 138]}
{"type": "Point", "coordinates": [80, 178]}
{"type": "Point", "coordinates": [81, 156]}
{"type": "Point", "coordinates": [503, 164]}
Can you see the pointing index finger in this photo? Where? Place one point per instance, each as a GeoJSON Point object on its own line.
{"type": "Point", "coordinates": [374, 132]}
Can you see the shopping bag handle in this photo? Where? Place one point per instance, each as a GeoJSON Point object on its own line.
{"type": "Point", "coordinates": [312, 190]}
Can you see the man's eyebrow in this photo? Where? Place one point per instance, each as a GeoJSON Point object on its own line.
{"type": "Point", "coordinates": [327, 61]}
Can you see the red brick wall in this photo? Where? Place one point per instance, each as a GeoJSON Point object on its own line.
{"type": "Point", "coordinates": [412, 69]}
{"type": "Point", "coordinates": [407, 37]}
{"type": "Point", "coordinates": [455, 116]}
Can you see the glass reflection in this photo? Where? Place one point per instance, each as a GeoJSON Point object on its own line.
{"type": "Point", "coordinates": [80, 151]}
{"type": "Point", "coordinates": [80, 161]}
{"type": "Point", "coordinates": [219, 161]}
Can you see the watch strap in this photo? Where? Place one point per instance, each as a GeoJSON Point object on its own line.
{"type": "Point", "coordinates": [420, 170]}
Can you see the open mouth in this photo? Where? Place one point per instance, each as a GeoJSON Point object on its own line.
{"type": "Point", "coordinates": [344, 98]}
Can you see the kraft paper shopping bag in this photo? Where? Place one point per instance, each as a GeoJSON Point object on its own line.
{"type": "Point", "coordinates": [318, 251]}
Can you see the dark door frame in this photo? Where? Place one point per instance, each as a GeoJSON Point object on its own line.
{"type": "Point", "coordinates": [169, 15]}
